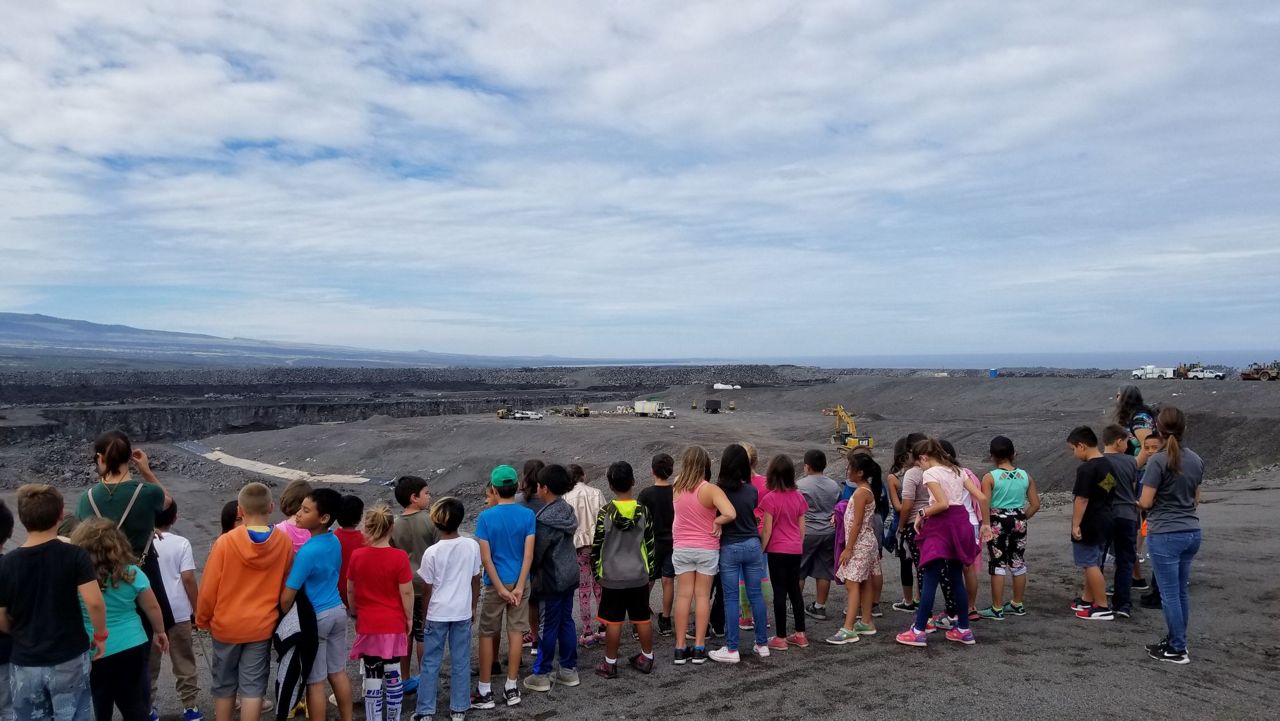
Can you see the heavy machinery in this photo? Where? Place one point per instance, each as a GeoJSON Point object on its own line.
{"type": "Point", "coordinates": [650, 407]}
{"type": "Point", "coordinates": [846, 432]}
{"type": "Point", "coordinates": [711, 405]}
{"type": "Point", "coordinates": [579, 410]}
{"type": "Point", "coordinates": [732, 406]}
{"type": "Point", "coordinates": [694, 405]}
{"type": "Point", "coordinates": [506, 412]}
{"type": "Point", "coordinates": [1261, 372]}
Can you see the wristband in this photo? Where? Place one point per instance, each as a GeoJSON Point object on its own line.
{"type": "Point", "coordinates": [99, 636]}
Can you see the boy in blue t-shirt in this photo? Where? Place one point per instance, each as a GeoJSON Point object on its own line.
{"type": "Point", "coordinates": [506, 533]}
{"type": "Point", "coordinates": [315, 571]}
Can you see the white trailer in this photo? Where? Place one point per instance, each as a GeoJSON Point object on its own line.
{"type": "Point", "coordinates": [650, 408]}
{"type": "Point", "coordinates": [1149, 372]}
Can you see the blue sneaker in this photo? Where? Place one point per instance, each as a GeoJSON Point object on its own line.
{"type": "Point", "coordinates": [410, 687]}
{"type": "Point", "coordinates": [192, 714]}
{"type": "Point", "coordinates": [155, 715]}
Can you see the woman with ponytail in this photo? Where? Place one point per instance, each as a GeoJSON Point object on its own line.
{"type": "Point", "coordinates": [1170, 495]}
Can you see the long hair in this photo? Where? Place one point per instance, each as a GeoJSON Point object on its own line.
{"type": "Point", "coordinates": [1172, 423]}
{"type": "Point", "coordinates": [735, 468]}
{"type": "Point", "coordinates": [529, 478]}
{"type": "Point", "coordinates": [377, 522]}
{"type": "Point", "coordinates": [901, 455]}
{"type": "Point", "coordinates": [781, 475]}
{"type": "Point", "coordinates": [1128, 403]}
{"type": "Point", "coordinates": [932, 448]}
{"type": "Point", "coordinates": [695, 467]}
{"type": "Point", "coordinates": [108, 550]}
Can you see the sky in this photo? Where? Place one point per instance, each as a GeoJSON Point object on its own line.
{"type": "Point", "coordinates": [661, 179]}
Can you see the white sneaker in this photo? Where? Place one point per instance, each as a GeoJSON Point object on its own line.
{"type": "Point", "coordinates": [724, 655]}
{"type": "Point", "coordinates": [762, 651]}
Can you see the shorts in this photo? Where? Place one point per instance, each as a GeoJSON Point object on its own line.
{"type": "Point", "coordinates": [241, 668]}
{"type": "Point", "coordinates": [491, 610]}
{"type": "Point", "coordinates": [818, 559]}
{"type": "Point", "coordinates": [703, 560]}
{"type": "Point", "coordinates": [331, 645]}
{"type": "Point", "coordinates": [617, 605]}
{"type": "Point", "coordinates": [665, 567]}
{"type": "Point", "coordinates": [1087, 555]}
{"type": "Point", "coordinates": [417, 634]}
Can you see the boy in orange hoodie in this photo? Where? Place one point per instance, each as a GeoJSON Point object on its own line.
{"type": "Point", "coordinates": [238, 604]}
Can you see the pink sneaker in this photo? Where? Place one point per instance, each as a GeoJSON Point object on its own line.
{"type": "Point", "coordinates": [961, 635]}
{"type": "Point", "coordinates": [798, 639]}
{"type": "Point", "coordinates": [778, 644]}
{"type": "Point", "coordinates": [912, 637]}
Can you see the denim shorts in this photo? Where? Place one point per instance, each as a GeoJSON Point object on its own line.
{"type": "Point", "coordinates": [1087, 555]}
{"type": "Point", "coordinates": [703, 560]}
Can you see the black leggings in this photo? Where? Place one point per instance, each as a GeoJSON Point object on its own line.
{"type": "Point", "coordinates": [122, 680]}
{"type": "Point", "coordinates": [784, 574]}
{"type": "Point", "coordinates": [945, 581]}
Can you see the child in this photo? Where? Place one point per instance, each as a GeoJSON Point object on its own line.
{"type": "Point", "coordinates": [290, 503]}
{"type": "Point", "coordinates": [819, 555]}
{"type": "Point", "coordinates": [1126, 518]}
{"type": "Point", "coordinates": [622, 555]}
{"type": "Point", "coordinates": [860, 560]}
{"type": "Point", "coordinates": [661, 504]}
{"type": "Point", "coordinates": [1151, 445]}
{"type": "Point", "coordinates": [6, 643]}
{"type": "Point", "coordinates": [893, 483]}
{"type": "Point", "coordinates": [413, 533]}
{"type": "Point", "coordinates": [315, 570]}
{"type": "Point", "coordinates": [119, 678]}
{"type": "Point", "coordinates": [1013, 501]}
{"type": "Point", "coordinates": [451, 572]}
{"type": "Point", "coordinates": [1091, 521]}
{"type": "Point", "coordinates": [555, 578]}
{"type": "Point", "coordinates": [380, 587]}
{"type": "Point", "coordinates": [351, 538]}
{"type": "Point", "coordinates": [238, 601]}
{"type": "Point", "coordinates": [701, 510]}
{"type": "Point", "coordinates": [178, 572]}
{"type": "Point", "coordinates": [505, 531]}
{"type": "Point", "coordinates": [528, 497]}
{"type": "Point", "coordinates": [586, 502]}
{"type": "Point", "coordinates": [746, 622]}
{"type": "Point", "coordinates": [783, 538]}
{"type": "Point", "coordinates": [42, 586]}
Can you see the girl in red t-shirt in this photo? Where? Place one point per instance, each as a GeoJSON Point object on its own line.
{"type": "Point", "coordinates": [380, 589]}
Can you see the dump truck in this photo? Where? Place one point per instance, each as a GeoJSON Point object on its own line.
{"type": "Point", "coordinates": [650, 408]}
{"type": "Point", "coordinates": [846, 432]}
{"type": "Point", "coordinates": [711, 405]}
{"type": "Point", "coordinates": [1261, 372]}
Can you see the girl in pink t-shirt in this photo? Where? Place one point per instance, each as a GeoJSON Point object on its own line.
{"type": "Point", "coordinates": [783, 539]}
{"type": "Point", "coordinates": [290, 504]}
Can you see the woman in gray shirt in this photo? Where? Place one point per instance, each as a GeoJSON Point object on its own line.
{"type": "Point", "coordinates": [1170, 495]}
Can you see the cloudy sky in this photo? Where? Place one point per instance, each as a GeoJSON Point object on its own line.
{"type": "Point", "coordinates": [648, 178]}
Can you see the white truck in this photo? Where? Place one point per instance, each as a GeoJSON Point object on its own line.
{"type": "Point", "coordinates": [650, 408]}
{"type": "Point", "coordinates": [1204, 374]}
{"type": "Point", "coordinates": [1148, 372]}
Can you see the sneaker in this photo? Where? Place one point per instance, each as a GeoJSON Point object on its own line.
{"type": "Point", "coordinates": [746, 624]}
{"type": "Point", "coordinates": [410, 686]}
{"type": "Point", "coordinates": [778, 644]}
{"type": "Point", "coordinates": [333, 700]}
{"type": "Point", "coordinates": [798, 639]}
{"type": "Point", "coordinates": [680, 657]}
{"type": "Point", "coordinates": [724, 655]}
{"type": "Point", "coordinates": [941, 622]}
{"type": "Point", "coordinates": [155, 715]}
{"type": "Point", "coordinates": [457, 716]}
{"type": "Point", "coordinates": [761, 651]}
{"type": "Point", "coordinates": [699, 654]}
{"type": "Point", "coordinates": [961, 635]}
{"type": "Point", "coordinates": [864, 629]}
{"type": "Point", "coordinates": [1150, 600]}
{"type": "Point", "coordinates": [527, 640]}
{"type": "Point", "coordinates": [1140, 584]}
{"type": "Point", "coordinates": [905, 606]}
{"type": "Point", "coordinates": [842, 636]}
{"type": "Point", "coordinates": [1154, 647]}
{"type": "Point", "coordinates": [712, 633]}
{"type": "Point", "coordinates": [268, 705]}
{"type": "Point", "coordinates": [1078, 604]}
{"type": "Point", "coordinates": [512, 695]}
{"type": "Point", "coordinates": [1123, 612]}
{"type": "Point", "coordinates": [912, 637]}
{"type": "Point", "coordinates": [482, 700]}
{"type": "Point", "coordinates": [566, 677]}
{"type": "Point", "coordinates": [813, 610]}
{"type": "Point", "coordinates": [641, 663]}
{"type": "Point", "coordinates": [973, 616]}
{"type": "Point", "coordinates": [1164, 653]}
{"type": "Point", "coordinates": [875, 611]}
{"type": "Point", "coordinates": [991, 614]}
{"type": "Point", "coordinates": [604, 669]}
{"type": "Point", "coordinates": [588, 641]}
{"type": "Point", "coordinates": [664, 625]}
{"type": "Point", "coordinates": [538, 682]}
{"type": "Point", "coordinates": [299, 710]}
{"type": "Point", "coordinates": [1016, 609]}
{"type": "Point", "coordinates": [1096, 613]}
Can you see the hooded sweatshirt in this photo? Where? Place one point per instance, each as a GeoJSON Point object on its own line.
{"type": "Point", "coordinates": [622, 554]}
{"type": "Point", "coordinates": [240, 593]}
{"type": "Point", "coordinates": [555, 558]}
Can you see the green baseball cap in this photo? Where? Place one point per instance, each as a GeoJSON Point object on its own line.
{"type": "Point", "coordinates": [503, 476]}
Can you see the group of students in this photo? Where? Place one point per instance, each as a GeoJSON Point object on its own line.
{"type": "Point", "coordinates": [88, 604]}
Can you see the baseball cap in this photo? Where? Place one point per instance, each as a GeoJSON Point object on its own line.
{"type": "Point", "coordinates": [503, 476]}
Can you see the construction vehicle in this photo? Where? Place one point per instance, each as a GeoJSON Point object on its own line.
{"type": "Point", "coordinates": [732, 406]}
{"type": "Point", "coordinates": [650, 408]}
{"type": "Point", "coordinates": [579, 410]}
{"type": "Point", "coordinates": [1261, 372]}
{"type": "Point", "coordinates": [506, 412]}
{"type": "Point", "coordinates": [846, 432]}
{"type": "Point", "coordinates": [1149, 372]}
{"type": "Point", "coordinates": [694, 405]}
{"type": "Point", "coordinates": [711, 405]}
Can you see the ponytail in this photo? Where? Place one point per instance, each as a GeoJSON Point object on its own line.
{"type": "Point", "coordinates": [932, 448]}
{"type": "Point", "coordinates": [1171, 424]}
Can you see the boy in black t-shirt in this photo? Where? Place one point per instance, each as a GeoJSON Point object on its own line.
{"type": "Point", "coordinates": [659, 500]}
{"type": "Point", "coordinates": [41, 586]}
{"type": "Point", "coordinates": [1091, 522]}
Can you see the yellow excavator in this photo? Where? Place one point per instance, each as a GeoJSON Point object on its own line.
{"type": "Point", "coordinates": [846, 432]}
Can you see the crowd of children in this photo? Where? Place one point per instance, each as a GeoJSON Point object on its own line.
{"type": "Point", "coordinates": [84, 624]}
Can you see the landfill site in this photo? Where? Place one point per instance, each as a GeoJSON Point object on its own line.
{"type": "Point", "coordinates": [211, 433]}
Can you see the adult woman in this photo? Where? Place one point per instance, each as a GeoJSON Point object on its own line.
{"type": "Point", "coordinates": [695, 540]}
{"type": "Point", "coordinates": [131, 504]}
{"type": "Point", "coordinates": [741, 556]}
{"type": "Point", "coordinates": [1132, 413]}
{"type": "Point", "coordinates": [1170, 495]}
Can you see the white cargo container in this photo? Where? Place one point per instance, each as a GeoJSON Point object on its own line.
{"type": "Point", "coordinates": [1147, 372]}
{"type": "Point", "coordinates": [650, 408]}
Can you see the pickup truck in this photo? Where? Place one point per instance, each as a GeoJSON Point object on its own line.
{"type": "Point", "coordinates": [1201, 374]}
{"type": "Point", "coordinates": [1147, 372]}
{"type": "Point", "coordinates": [527, 416]}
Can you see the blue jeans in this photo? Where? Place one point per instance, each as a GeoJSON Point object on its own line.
{"type": "Point", "coordinates": [557, 630]}
{"type": "Point", "coordinates": [1124, 546]}
{"type": "Point", "coordinates": [930, 576]}
{"type": "Point", "coordinates": [458, 635]}
{"type": "Point", "coordinates": [742, 560]}
{"type": "Point", "coordinates": [1171, 555]}
{"type": "Point", "coordinates": [52, 693]}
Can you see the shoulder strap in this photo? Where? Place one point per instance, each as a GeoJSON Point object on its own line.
{"type": "Point", "coordinates": [94, 504]}
{"type": "Point", "coordinates": [132, 500]}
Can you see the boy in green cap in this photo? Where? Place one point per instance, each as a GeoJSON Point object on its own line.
{"type": "Point", "coordinates": [505, 531]}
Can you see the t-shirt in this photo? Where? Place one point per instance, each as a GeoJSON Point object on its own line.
{"type": "Point", "coordinates": [1125, 503]}
{"type": "Point", "coordinates": [786, 508]}
{"type": "Point", "coordinates": [377, 574]}
{"type": "Point", "coordinates": [762, 489]}
{"type": "Point", "coordinates": [1175, 506]}
{"type": "Point", "coordinates": [821, 494]}
{"type": "Point", "coordinates": [315, 570]}
{"type": "Point", "coordinates": [662, 510]}
{"type": "Point", "coordinates": [297, 536]}
{"type": "Point", "coordinates": [1096, 481]}
{"type": "Point", "coordinates": [6, 642]}
{"type": "Point", "coordinates": [124, 625]}
{"type": "Point", "coordinates": [173, 553]}
{"type": "Point", "coordinates": [743, 526]}
{"type": "Point", "coordinates": [112, 500]}
{"type": "Point", "coordinates": [913, 489]}
{"type": "Point", "coordinates": [38, 586]}
{"type": "Point", "coordinates": [448, 567]}
{"type": "Point", "coordinates": [350, 539]}
{"type": "Point", "coordinates": [1142, 420]}
{"type": "Point", "coordinates": [505, 527]}
{"type": "Point", "coordinates": [414, 534]}
{"type": "Point", "coordinates": [952, 485]}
